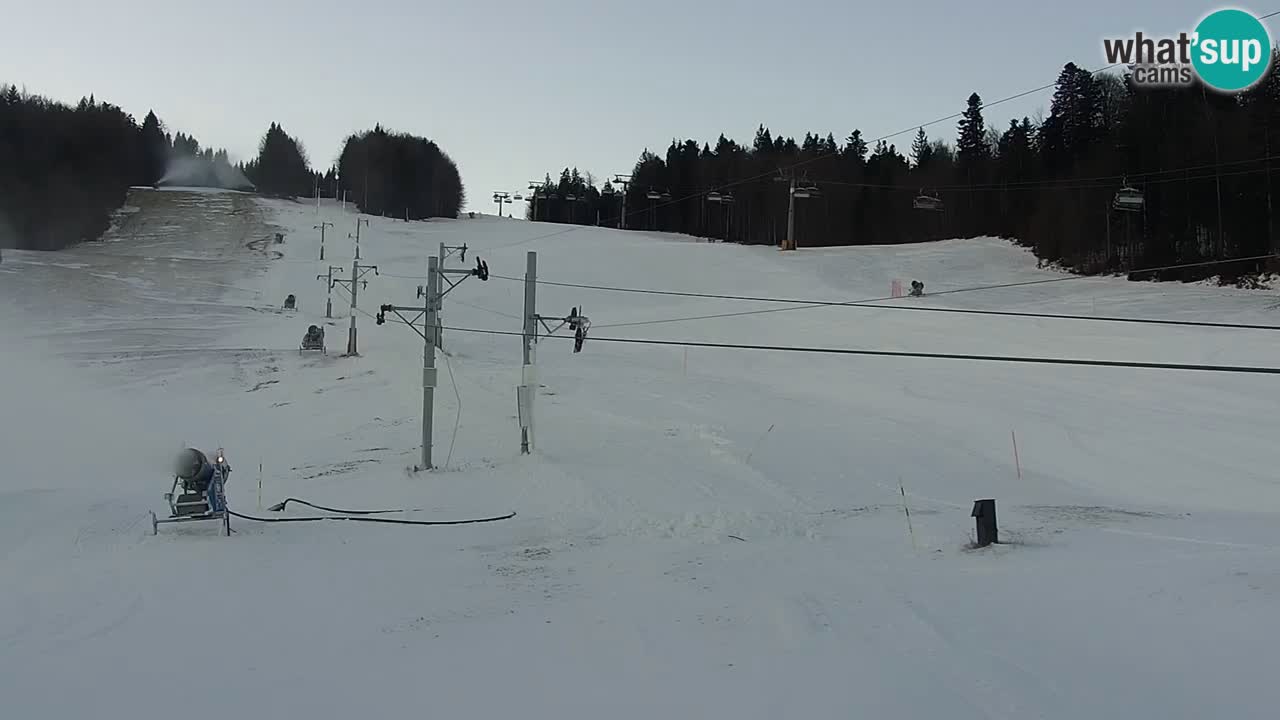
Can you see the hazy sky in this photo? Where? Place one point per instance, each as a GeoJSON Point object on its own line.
{"type": "Point", "coordinates": [514, 90]}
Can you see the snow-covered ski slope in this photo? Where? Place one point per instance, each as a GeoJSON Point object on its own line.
{"type": "Point", "coordinates": [717, 533]}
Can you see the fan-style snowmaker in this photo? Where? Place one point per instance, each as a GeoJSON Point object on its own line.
{"type": "Point", "coordinates": [203, 495]}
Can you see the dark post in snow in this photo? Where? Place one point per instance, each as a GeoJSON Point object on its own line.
{"type": "Point", "coordinates": [321, 228]}
{"type": "Point", "coordinates": [526, 392]}
{"type": "Point", "coordinates": [430, 303]}
{"type": "Point", "coordinates": [328, 300]}
{"type": "Point", "coordinates": [985, 512]}
{"type": "Point", "coordinates": [352, 284]}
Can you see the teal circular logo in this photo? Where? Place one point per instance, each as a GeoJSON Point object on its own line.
{"type": "Point", "coordinates": [1232, 50]}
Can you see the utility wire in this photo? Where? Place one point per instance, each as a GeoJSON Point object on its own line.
{"type": "Point", "coordinates": [820, 156]}
{"type": "Point", "coordinates": [904, 354]}
{"type": "Point", "coordinates": [792, 166]}
{"type": "Point", "coordinates": [485, 309]}
{"type": "Point", "coordinates": [1094, 183]}
{"type": "Point", "coordinates": [798, 304]}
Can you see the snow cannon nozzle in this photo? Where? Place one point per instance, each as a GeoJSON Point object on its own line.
{"type": "Point", "coordinates": [188, 463]}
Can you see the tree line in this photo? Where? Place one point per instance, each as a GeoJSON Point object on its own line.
{"type": "Point", "coordinates": [399, 175]}
{"type": "Point", "coordinates": [381, 172]}
{"type": "Point", "coordinates": [64, 170]}
{"type": "Point", "coordinates": [1117, 177]}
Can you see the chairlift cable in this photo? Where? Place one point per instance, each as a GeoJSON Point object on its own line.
{"type": "Point", "coordinates": [1094, 183]}
{"type": "Point", "coordinates": [743, 181]}
{"type": "Point", "coordinates": [800, 304]}
{"type": "Point", "coordinates": [1244, 369]}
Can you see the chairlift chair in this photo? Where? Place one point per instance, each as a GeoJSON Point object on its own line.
{"type": "Point", "coordinates": [1128, 199]}
{"type": "Point", "coordinates": [924, 201]}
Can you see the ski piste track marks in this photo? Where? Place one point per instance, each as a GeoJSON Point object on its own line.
{"type": "Point", "coordinates": [696, 562]}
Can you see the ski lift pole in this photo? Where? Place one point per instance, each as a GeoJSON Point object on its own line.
{"type": "Point", "coordinates": [439, 320]}
{"type": "Point", "coordinates": [1106, 216]}
{"type": "Point", "coordinates": [321, 228]}
{"type": "Point", "coordinates": [429, 359]}
{"type": "Point", "coordinates": [352, 285]}
{"type": "Point", "coordinates": [426, 311]}
{"type": "Point", "coordinates": [791, 216]}
{"type": "Point", "coordinates": [328, 300]}
{"type": "Point", "coordinates": [525, 393]}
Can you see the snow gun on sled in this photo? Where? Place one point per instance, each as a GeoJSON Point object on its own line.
{"type": "Point", "coordinates": [313, 340]}
{"type": "Point", "coordinates": [203, 491]}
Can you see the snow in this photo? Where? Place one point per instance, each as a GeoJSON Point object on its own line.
{"type": "Point", "coordinates": [699, 533]}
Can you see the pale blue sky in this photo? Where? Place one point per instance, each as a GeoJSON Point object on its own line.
{"type": "Point", "coordinates": [532, 86]}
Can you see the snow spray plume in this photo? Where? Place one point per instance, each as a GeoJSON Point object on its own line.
{"type": "Point", "coordinates": [196, 171]}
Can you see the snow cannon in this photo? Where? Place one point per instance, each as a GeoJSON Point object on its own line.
{"type": "Point", "coordinates": [203, 495]}
{"type": "Point", "coordinates": [313, 340]}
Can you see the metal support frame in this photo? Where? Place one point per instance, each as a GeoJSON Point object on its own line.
{"type": "Point", "coordinates": [429, 312]}
{"type": "Point", "coordinates": [321, 228]}
{"type": "Point", "coordinates": [795, 190]}
{"type": "Point", "coordinates": [501, 198]}
{"type": "Point", "coordinates": [575, 320]}
{"type": "Point", "coordinates": [535, 188]}
{"type": "Point", "coordinates": [481, 270]}
{"type": "Point", "coordinates": [528, 379]}
{"type": "Point", "coordinates": [447, 251]}
{"type": "Point", "coordinates": [359, 221]}
{"type": "Point", "coordinates": [625, 182]}
{"type": "Point", "coordinates": [726, 201]}
{"type": "Point", "coordinates": [526, 392]}
{"type": "Point", "coordinates": [329, 282]}
{"type": "Point", "coordinates": [352, 285]}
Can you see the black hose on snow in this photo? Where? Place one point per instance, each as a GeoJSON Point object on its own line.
{"type": "Point", "coordinates": [388, 521]}
{"type": "Point", "coordinates": [281, 505]}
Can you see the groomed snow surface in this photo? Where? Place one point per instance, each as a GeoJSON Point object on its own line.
{"type": "Point", "coordinates": [702, 533]}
